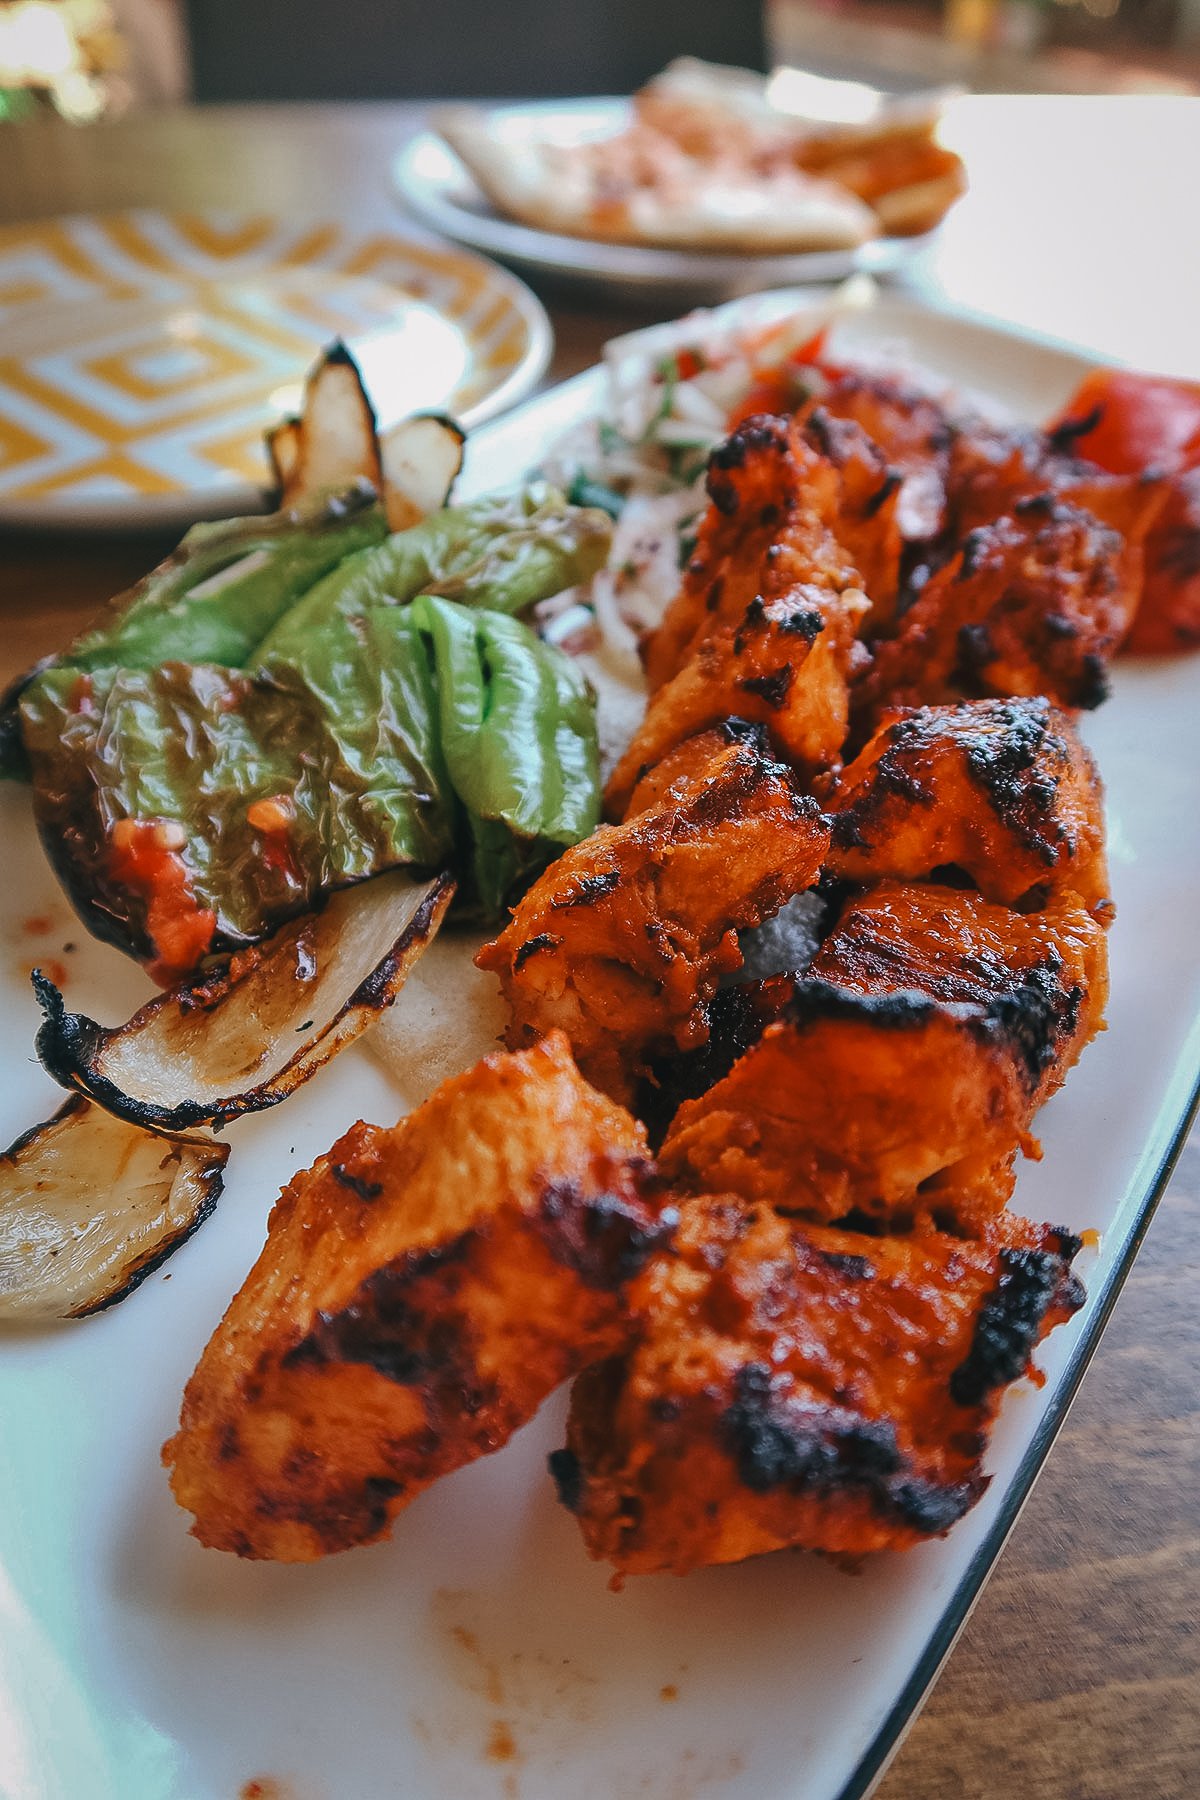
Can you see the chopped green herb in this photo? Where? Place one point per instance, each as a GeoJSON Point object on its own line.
{"type": "Point", "coordinates": [585, 491]}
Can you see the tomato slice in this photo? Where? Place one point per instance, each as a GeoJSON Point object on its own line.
{"type": "Point", "coordinates": [1140, 421]}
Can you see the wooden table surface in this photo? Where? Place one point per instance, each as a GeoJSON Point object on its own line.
{"type": "Point", "coordinates": [1078, 1676]}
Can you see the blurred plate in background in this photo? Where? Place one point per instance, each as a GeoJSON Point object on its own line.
{"type": "Point", "coordinates": [437, 187]}
{"type": "Point", "coordinates": [143, 354]}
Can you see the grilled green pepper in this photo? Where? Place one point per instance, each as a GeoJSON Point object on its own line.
{"type": "Point", "coordinates": [214, 598]}
{"type": "Point", "coordinates": [189, 807]}
{"type": "Point", "coordinates": [517, 728]}
{"type": "Point", "coordinates": [292, 704]}
{"type": "Point", "coordinates": [505, 553]}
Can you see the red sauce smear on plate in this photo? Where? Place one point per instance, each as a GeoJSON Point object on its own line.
{"type": "Point", "coordinates": [146, 858]}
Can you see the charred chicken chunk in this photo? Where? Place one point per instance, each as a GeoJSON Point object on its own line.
{"type": "Point", "coordinates": [1047, 971]}
{"type": "Point", "coordinates": [866, 525]}
{"type": "Point", "coordinates": [913, 431]}
{"type": "Point", "coordinates": [796, 1385]}
{"type": "Point", "coordinates": [622, 941]}
{"type": "Point", "coordinates": [422, 1289]}
{"type": "Point", "coordinates": [851, 487]}
{"type": "Point", "coordinates": [1049, 967]}
{"type": "Point", "coordinates": [994, 467]}
{"type": "Point", "coordinates": [1035, 603]}
{"type": "Point", "coordinates": [766, 531]}
{"type": "Point", "coordinates": [784, 665]}
{"type": "Point", "coordinates": [1001, 790]}
{"type": "Point", "coordinates": [666, 781]}
{"type": "Point", "coordinates": [737, 1017]}
{"type": "Point", "coordinates": [851, 1102]}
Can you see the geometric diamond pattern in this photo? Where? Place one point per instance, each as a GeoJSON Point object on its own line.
{"type": "Point", "coordinates": [146, 352]}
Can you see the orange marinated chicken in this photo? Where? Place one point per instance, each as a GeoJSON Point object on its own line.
{"type": "Point", "coordinates": [993, 467]}
{"type": "Point", "coordinates": [905, 1066]}
{"type": "Point", "coordinates": [850, 1102]}
{"type": "Point", "coordinates": [1002, 791]}
{"type": "Point", "coordinates": [1035, 603]}
{"type": "Point", "coordinates": [785, 665]}
{"type": "Point", "coordinates": [866, 523]}
{"type": "Point", "coordinates": [1048, 969]}
{"type": "Point", "coordinates": [766, 531]}
{"type": "Point", "coordinates": [1041, 976]}
{"type": "Point", "coordinates": [422, 1289]}
{"type": "Point", "coordinates": [621, 943]}
{"type": "Point", "coordinates": [737, 1016]}
{"type": "Point", "coordinates": [796, 1385]}
{"type": "Point", "coordinates": [668, 780]}
{"type": "Point", "coordinates": [912, 430]}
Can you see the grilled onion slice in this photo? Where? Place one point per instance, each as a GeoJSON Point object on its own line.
{"type": "Point", "coordinates": [421, 458]}
{"type": "Point", "coordinates": [89, 1205]}
{"type": "Point", "coordinates": [335, 443]}
{"type": "Point", "coordinates": [334, 440]}
{"type": "Point", "coordinates": [283, 448]}
{"type": "Point", "coordinates": [248, 1036]}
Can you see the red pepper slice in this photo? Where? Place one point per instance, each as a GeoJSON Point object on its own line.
{"type": "Point", "coordinates": [1141, 421]}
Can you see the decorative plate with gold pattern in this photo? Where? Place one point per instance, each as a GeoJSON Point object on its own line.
{"type": "Point", "coordinates": [142, 354]}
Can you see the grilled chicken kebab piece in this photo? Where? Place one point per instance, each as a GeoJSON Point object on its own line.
{"type": "Point", "coordinates": [1002, 792]}
{"type": "Point", "coordinates": [766, 622]}
{"type": "Point", "coordinates": [774, 499]}
{"type": "Point", "coordinates": [1037, 602]}
{"type": "Point", "coordinates": [421, 1290]}
{"type": "Point", "coordinates": [796, 1384]}
{"type": "Point", "coordinates": [1126, 422]}
{"type": "Point", "coordinates": [796, 1328]}
{"type": "Point", "coordinates": [622, 942]}
{"type": "Point", "coordinates": [903, 1073]}
{"type": "Point", "coordinates": [784, 665]}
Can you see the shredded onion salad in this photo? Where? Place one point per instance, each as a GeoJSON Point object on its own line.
{"type": "Point", "coordinates": [674, 391]}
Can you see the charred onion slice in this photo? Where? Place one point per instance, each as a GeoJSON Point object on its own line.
{"type": "Point", "coordinates": [412, 467]}
{"type": "Point", "coordinates": [421, 459]}
{"type": "Point", "coordinates": [283, 448]}
{"type": "Point", "coordinates": [245, 1038]}
{"type": "Point", "coordinates": [334, 440]}
{"type": "Point", "coordinates": [89, 1205]}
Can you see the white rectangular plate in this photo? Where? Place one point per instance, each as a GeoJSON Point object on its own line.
{"type": "Point", "coordinates": [479, 1652]}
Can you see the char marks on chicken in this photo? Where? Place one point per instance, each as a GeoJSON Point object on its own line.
{"type": "Point", "coordinates": [784, 665]}
{"type": "Point", "coordinates": [792, 1383]}
{"type": "Point", "coordinates": [1039, 979]}
{"type": "Point", "coordinates": [1002, 792]}
{"type": "Point", "coordinates": [768, 529]}
{"type": "Point", "coordinates": [421, 1290]}
{"type": "Point", "coordinates": [621, 944]}
{"type": "Point", "coordinates": [1036, 602]}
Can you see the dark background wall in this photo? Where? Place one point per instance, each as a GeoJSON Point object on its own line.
{"type": "Point", "coordinates": [395, 49]}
